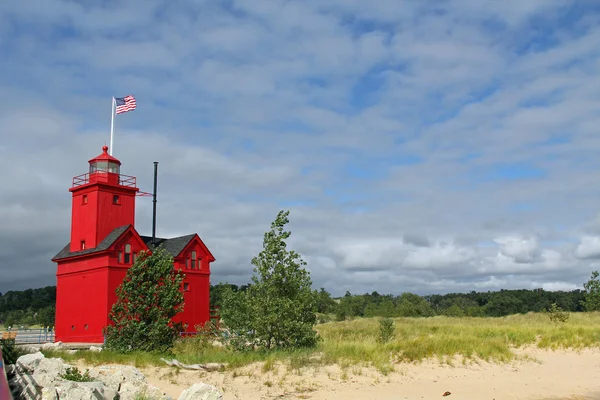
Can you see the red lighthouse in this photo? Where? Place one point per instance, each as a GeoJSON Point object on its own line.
{"type": "Point", "coordinates": [104, 244]}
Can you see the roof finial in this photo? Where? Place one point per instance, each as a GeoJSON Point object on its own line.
{"type": "Point", "coordinates": [105, 148]}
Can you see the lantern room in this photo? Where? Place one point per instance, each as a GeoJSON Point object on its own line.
{"type": "Point", "coordinates": [103, 169]}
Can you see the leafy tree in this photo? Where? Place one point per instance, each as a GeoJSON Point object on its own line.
{"type": "Point", "coordinates": [149, 297]}
{"type": "Point", "coordinates": [325, 304]}
{"type": "Point", "coordinates": [279, 308]}
{"type": "Point", "coordinates": [454, 311]}
{"type": "Point", "coordinates": [45, 316]}
{"type": "Point", "coordinates": [592, 293]}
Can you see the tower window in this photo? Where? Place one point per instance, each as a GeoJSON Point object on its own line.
{"type": "Point", "coordinates": [127, 253]}
{"type": "Point", "coordinates": [194, 260]}
{"type": "Point", "coordinates": [83, 245]}
{"type": "Point", "coordinates": [116, 199]}
{"type": "Point", "coordinates": [120, 257]}
{"type": "Point", "coordinates": [84, 199]}
{"type": "Point", "coordinates": [186, 287]}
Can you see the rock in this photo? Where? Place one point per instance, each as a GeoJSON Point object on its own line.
{"type": "Point", "coordinates": [70, 351]}
{"type": "Point", "coordinates": [201, 391]}
{"type": "Point", "coordinates": [37, 377]}
{"type": "Point", "coordinates": [51, 346]}
{"type": "Point", "coordinates": [29, 349]}
{"type": "Point", "coordinates": [34, 372]}
{"type": "Point", "coordinates": [69, 390]}
{"type": "Point", "coordinates": [29, 362]}
{"type": "Point", "coordinates": [95, 348]}
{"type": "Point", "coordinates": [127, 380]}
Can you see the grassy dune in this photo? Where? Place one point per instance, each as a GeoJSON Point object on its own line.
{"type": "Point", "coordinates": [355, 342]}
{"type": "Point", "coordinates": [490, 339]}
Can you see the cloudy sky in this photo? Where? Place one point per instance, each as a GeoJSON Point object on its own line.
{"type": "Point", "coordinates": [423, 146]}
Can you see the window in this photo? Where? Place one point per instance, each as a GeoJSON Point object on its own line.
{"type": "Point", "coordinates": [133, 257]}
{"type": "Point", "coordinates": [127, 253]}
{"type": "Point", "coordinates": [113, 167]}
{"type": "Point", "coordinates": [194, 260]}
{"type": "Point", "coordinates": [186, 287]}
{"type": "Point", "coordinates": [84, 199]}
{"type": "Point", "coordinates": [187, 263]}
{"type": "Point", "coordinates": [120, 257]}
{"type": "Point", "coordinates": [83, 245]}
{"type": "Point", "coordinates": [116, 199]}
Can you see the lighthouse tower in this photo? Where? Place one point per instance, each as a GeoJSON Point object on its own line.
{"type": "Point", "coordinates": [104, 244]}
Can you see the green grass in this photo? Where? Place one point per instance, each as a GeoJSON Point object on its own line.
{"type": "Point", "coordinates": [137, 359]}
{"type": "Point", "coordinates": [355, 343]}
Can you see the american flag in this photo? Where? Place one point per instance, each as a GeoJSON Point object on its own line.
{"type": "Point", "coordinates": [125, 104]}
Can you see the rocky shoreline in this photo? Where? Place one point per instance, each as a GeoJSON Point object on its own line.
{"type": "Point", "coordinates": [34, 376]}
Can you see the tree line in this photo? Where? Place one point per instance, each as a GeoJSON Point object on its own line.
{"type": "Point", "coordinates": [28, 307]}
{"type": "Point", "coordinates": [473, 304]}
{"type": "Point", "coordinates": [37, 306]}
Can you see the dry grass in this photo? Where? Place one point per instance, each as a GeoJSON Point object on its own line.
{"type": "Point", "coordinates": [352, 343]}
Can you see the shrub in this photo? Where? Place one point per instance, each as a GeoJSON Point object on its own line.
{"type": "Point", "coordinates": [147, 300]}
{"type": "Point", "coordinates": [556, 314]}
{"type": "Point", "coordinates": [386, 330]}
{"type": "Point", "coordinates": [10, 352]}
{"type": "Point", "coordinates": [73, 374]}
{"type": "Point", "coordinates": [278, 310]}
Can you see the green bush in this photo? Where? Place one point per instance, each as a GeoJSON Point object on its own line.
{"type": "Point", "coordinates": [73, 374]}
{"type": "Point", "coordinates": [10, 351]}
{"type": "Point", "coordinates": [278, 310]}
{"type": "Point", "coordinates": [556, 314]}
{"type": "Point", "coordinates": [386, 330]}
{"type": "Point", "coordinates": [147, 300]}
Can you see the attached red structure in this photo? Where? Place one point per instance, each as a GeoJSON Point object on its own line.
{"type": "Point", "coordinates": [104, 244]}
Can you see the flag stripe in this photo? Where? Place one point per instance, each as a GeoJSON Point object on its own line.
{"type": "Point", "coordinates": [125, 104]}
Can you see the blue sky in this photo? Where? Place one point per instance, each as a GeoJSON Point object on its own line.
{"type": "Point", "coordinates": [429, 147]}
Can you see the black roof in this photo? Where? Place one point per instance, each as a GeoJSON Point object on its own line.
{"type": "Point", "coordinates": [174, 245]}
{"type": "Point", "coordinates": [104, 245]}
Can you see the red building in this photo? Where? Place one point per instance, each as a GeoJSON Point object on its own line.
{"type": "Point", "coordinates": [104, 244]}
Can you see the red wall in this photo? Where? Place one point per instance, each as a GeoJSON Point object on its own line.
{"type": "Point", "coordinates": [81, 300]}
{"type": "Point", "coordinates": [114, 215]}
{"type": "Point", "coordinates": [94, 220]}
{"type": "Point", "coordinates": [196, 309]}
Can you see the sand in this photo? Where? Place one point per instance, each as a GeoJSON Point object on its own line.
{"type": "Point", "coordinates": [538, 375]}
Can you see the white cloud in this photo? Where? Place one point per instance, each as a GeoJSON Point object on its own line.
{"type": "Point", "coordinates": [389, 131]}
{"type": "Point", "coordinates": [588, 248]}
{"type": "Point", "coordinates": [520, 249]}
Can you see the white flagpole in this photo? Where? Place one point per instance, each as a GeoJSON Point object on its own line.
{"type": "Point", "coordinates": [112, 125]}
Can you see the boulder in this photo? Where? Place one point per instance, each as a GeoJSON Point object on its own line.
{"type": "Point", "coordinates": [201, 391]}
{"type": "Point", "coordinates": [36, 377]}
{"type": "Point", "coordinates": [128, 381]}
{"type": "Point", "coordinates": [69, 390]}
{"type": "Point", "coordinates": [33, 372]}
{"type": "Point", "coordinates": [51, 346]}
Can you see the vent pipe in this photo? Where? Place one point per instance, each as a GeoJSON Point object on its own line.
{"type": "Point", "coordinates": [154, 205]}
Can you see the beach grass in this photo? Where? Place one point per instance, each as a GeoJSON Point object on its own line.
{"type": "Point", "coordinates": [415, 339]}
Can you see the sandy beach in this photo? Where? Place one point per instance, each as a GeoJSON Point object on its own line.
{"type": "Point", "coordinates": [538, 375]}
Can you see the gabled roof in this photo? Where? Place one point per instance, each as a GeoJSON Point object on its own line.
{"type": "Point", "coordinates": [174, 245]}
{"type": "Point", "coordinates": [104, 245]}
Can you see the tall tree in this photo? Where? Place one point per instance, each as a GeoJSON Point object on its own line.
{"type": "Point", "coordinates": [149, 297]}
{"type": "Point", "coordinates": [279, 308]}
{"type": "Point", "coordinates": [592, 293]}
